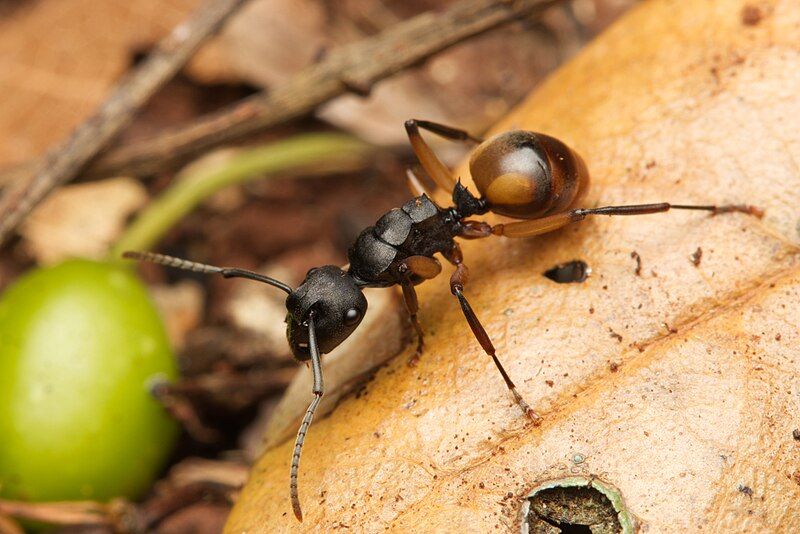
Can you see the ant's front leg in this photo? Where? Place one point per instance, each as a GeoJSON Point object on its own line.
{"type": "Point", "coordinates": [533, 227]}
{"type": "Point", "coordinates": [457, 282]}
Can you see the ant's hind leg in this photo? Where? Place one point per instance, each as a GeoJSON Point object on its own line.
{"type": "Point", "coordinates": [437, 170]}
{"type": "Point", "coordinates": [457, 282]}
{"type": "Point", "coordinates": [448, 132]}
{"type": "Point", "coordinates": [428, 158]}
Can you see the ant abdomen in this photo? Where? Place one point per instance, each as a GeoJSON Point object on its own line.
{"type": "Point", "coordinates": [528, 175]}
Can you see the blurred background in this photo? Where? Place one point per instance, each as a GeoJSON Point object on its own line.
{"type": "Point", "coordinates": [60, 60]}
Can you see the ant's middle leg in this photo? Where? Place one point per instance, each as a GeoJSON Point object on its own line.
{"type": "Point", "coordinates": [412, 305]}
{"type": "Point", "coordinates": [437, 170]}
{"type": "Point", "coordinates": [457, 282]}
{"type": "Point", "coordinates": [422, 267]}
{"type": "Point", "coordinates": [553, 222]}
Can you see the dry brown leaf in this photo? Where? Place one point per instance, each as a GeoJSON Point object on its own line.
{"type": "Point", "coordinates": [261, 310]}
{"type": "Point", "coordinates": [181, 308]}
{"type": "Point", "coordinates": [82, 220]}
{"type": "Point", "coordinates": [59, 59]}
{"type": "Point", "coordinates": [681, 386]}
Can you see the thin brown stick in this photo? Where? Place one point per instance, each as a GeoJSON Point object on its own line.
{"type": "Point", "coordinates": [161, 506]}
{"type": "Point", "coordinates": [63, 162]}
{"type": "Point", "coordinates": [351, 68]}
{"type": "Point", "coordinates": [69, 512]}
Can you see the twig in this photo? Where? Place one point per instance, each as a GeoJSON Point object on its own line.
{"type": "Point", "coordinates": [351, 68]}
{"type": "Point", "coordinates": [183, 411]}
{"type": "Point", "coordinates": [116, 513]}
{"type": "Point", "coordinates": [161, 506]}
{"type": "Point", "coordinates": [228, 474]}
{"type": "Point", "coordinates": [231, 391]}
{"type": "Point", "coordinates": [65, 161]}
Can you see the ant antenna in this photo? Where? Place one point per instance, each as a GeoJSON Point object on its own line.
{"type": "Point", "coordinates": [316, 369]}
{"type": "Point", "coordinates": [227, 272]}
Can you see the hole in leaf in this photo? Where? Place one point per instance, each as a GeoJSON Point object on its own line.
{"type": "Point", "coordinates": [571, 272]}
{"type": "Point", "coordinates": [571, 510]}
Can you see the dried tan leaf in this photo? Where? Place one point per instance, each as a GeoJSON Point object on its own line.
{"type": "Point", "coordinates": [261, 310]}
{"type": "Point", "coordinates": [681, 387]}
{"type": "Point", "coordinates": [82, 220]}
{"type": "Point", "coordinates": [181, 308]}
{"type": "Point", "coordinates": [58, 61]}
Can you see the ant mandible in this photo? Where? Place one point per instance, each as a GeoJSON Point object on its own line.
{"type": "Point", "coordinates": [519, 174]}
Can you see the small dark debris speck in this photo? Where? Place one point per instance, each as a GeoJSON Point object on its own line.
{"type": "Point", "coordinates": [575, 271]}
{"type": "Point", "coordinates": [777, 337]}
{"type": "Point", "coordinates": [613, 367]}
{"type": "Point", "coordinates": [697, 256]}
{"type": "Point", "coordinates": [549, 383]}
{"type": "Point", "coordinates": [747, 490]}
{"type": "Point", "coordinates": [638, 270]}
{"type": "Point", "coordinates": [752, 15]}
{"type": "Point", "coordinates": [796, 434]}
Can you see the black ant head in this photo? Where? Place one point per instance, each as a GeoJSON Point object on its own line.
{"type": "Point", "coordinates": [338, 305]}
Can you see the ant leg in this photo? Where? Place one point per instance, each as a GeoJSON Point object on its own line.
{"type": "Point", "coordinates": [547, 224]}
{"type": "Point", "coordinates": [412, 305]}
{"type": "Point", "coordinates": [423, 267]}
{"type": "Point", "coordinates": [457, 282]}
{"type": "Point", "coordinates": [428, 158]}
{"type": "Point", "coordinates": [415, 185]}
{"type": "Point", "coordinates": [474, 229]}
{"type": "Point", "coordinates": [318, 390]}
{"type": "Point", "coordinates": [448, 132]}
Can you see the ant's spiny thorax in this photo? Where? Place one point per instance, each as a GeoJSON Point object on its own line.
{"type": "Point", "coordinates": [419, 228]}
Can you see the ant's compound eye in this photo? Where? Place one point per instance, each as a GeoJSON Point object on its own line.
{"type": "Point", "coordinates": [352, 316]}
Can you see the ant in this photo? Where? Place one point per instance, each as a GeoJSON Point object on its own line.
{"type": "Point", "coordinates": [523, 175]}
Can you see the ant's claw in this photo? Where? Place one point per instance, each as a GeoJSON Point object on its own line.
{"type": "Point", "coordinates": [414, 360]}
{"type": "Point", "coordinates": [535, 418]}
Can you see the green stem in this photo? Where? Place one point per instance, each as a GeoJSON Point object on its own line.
{"type": "Point", "coordinates": [310, 152]}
